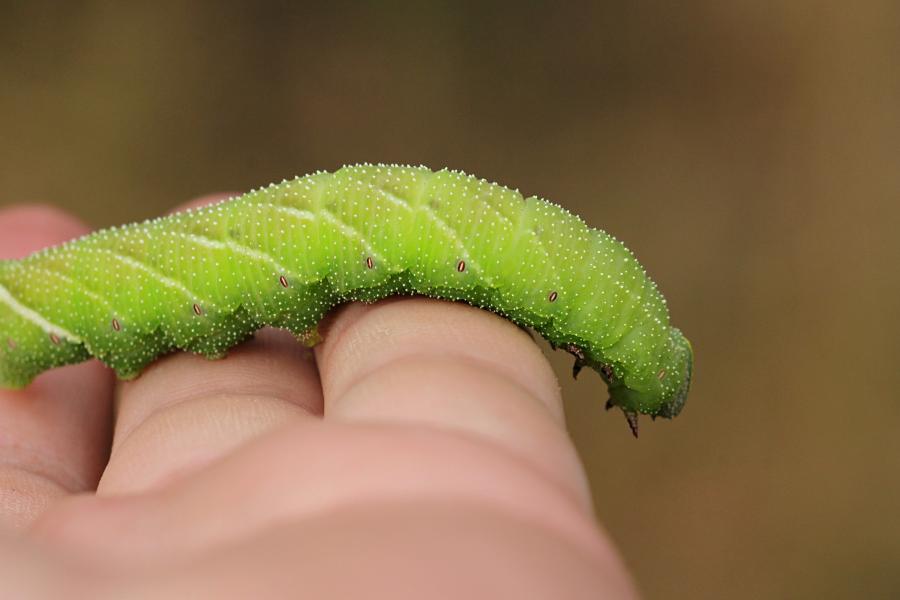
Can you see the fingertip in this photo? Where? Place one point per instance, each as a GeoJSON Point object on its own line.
{"type": "Point", "coordinates": [450, 367]}
{"type": "Point", "coordinates": [361, 338]}
{"type": "Point", "coordinates": [185, 411]}
{"type": "Point", "coordinates": [30, 227]}
{"type": "Point", "coordinates": [204, 200]}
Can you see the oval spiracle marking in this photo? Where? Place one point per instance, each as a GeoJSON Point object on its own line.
{"type": "Point", "coordinates": [54, 338]}
{"type": "Point", "coordinates": [11, 343]}
{"type": "Point", "coordinates": [461, 266]}
{"type": "Point", "coordinates": [661, 374]}
{"type": "Point", "coordinates": [370, 263]}
{"type": "Point", "coordinates": [197, 310]}
{"type": "Point", "coordinates": [553, 296]}
{"type": "Point", "coordinates": [116, 325]}
{"type": "Point", "coordinates": [283, 281]}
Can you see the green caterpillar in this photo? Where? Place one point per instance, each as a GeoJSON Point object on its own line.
{"type": "Point", "coordinates": [205, 279]}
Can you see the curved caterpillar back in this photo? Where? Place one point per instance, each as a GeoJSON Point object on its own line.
{"type": "Point", "coordinates": [205, 279]}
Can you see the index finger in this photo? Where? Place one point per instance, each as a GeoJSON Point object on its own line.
{"type": "Point", "coordinates": [449, 366]}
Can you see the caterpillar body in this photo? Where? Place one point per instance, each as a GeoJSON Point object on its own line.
{"type": "Point", "coordinates": [205, 279]}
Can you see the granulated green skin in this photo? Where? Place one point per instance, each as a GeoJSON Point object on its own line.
{"type": "Point", "coordinates": [205, 279]}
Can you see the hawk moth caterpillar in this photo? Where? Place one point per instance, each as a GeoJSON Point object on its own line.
{"type": "Point", "coordinates": [205, 279]}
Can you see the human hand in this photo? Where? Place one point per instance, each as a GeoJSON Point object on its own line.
{"type": "Point", "coordinates": [419, 451]}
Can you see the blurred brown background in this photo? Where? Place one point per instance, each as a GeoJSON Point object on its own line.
{"type": "Point", "coordinates": [746, 151]}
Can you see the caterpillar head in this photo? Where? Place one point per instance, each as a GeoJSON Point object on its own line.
{"type": "Point", "coordinates": [682, 363]}
{"type": "Point", "coordinates": [661, 393]}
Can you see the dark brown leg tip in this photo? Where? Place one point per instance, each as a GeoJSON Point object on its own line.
{"type": "Point", "coordinates": [576, 369]}
{"type": "Point", "coordinates": [632, 419]}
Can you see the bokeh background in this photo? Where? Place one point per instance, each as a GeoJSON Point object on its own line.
{"type": "Point", "coordinates": [747, 151]}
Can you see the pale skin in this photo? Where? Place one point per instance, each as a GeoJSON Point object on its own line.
{"type": "Point", "coordinates": [419, 451]}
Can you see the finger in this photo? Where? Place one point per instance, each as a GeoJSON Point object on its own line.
{"type": "Point", "coordinates": [185, 411]}
{"type": "Point", "coordinates": [453, 367]}
{"type": "Point", "coordinates": [203, 201]}
{"type": "Point", "coordinates": [305, 471]}
{"type": "Point", "coordinates": [54, 435]}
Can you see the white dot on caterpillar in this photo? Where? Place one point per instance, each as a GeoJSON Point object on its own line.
{"type": "Point", "coordinates": [197, 310]}
{"type": "Point", "coordinates": [116, 325]}
{"type": "Point", "coordinates": [553, 296]}
{"type": "Point", "coordinates": [461, 266]}
{"type": "Point", "coordinates": [282, 280]}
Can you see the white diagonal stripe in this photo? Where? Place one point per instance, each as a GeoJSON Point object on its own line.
{"type": "Point", "coordinates": [464, 254]}
{"type": "Point", "coordinates": [460, 247]}
{"type": "Point", "coordinates": [158, 275]}
{"type": "Point", "coordinates": [294, 212]}
{"type": "Point", "coordinates": [392, 197]}
{"type": "Point", "coordinates": [30, 315]}
{"type": "Point", "coordinates": [237, 248]}
{"type": "Point", "coordinates": [446, 229]}
{"type": "Point", "coordinates": [75, 283]}
{"type": "Point", "coordinates": [348, 230]}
